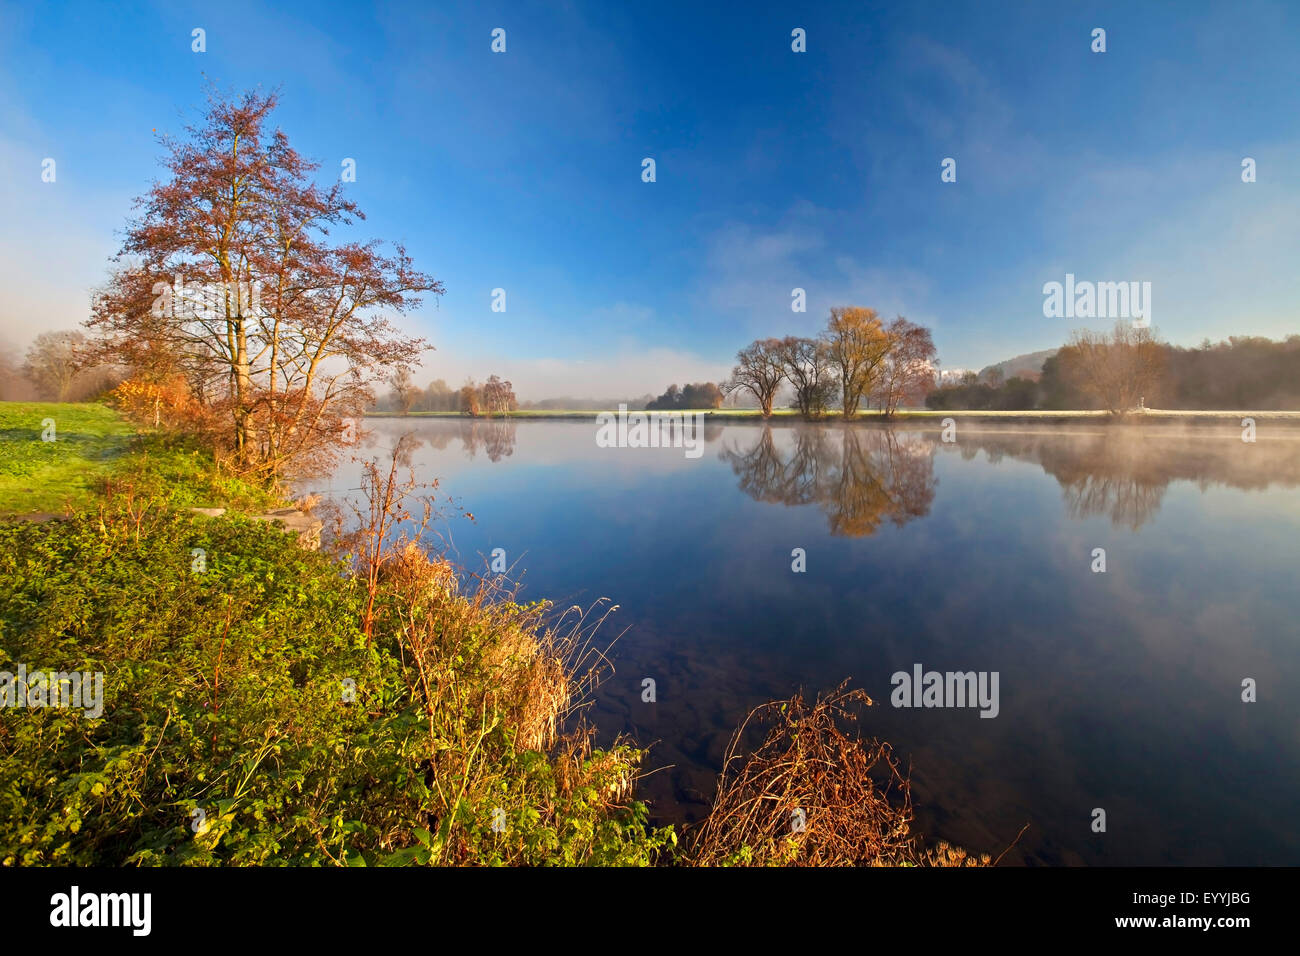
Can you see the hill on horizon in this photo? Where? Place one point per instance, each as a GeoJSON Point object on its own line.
{"type": "Point", "coordinates": [1029, 365]}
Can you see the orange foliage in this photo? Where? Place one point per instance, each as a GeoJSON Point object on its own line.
{"type": "Point", "coordinates": [159, 403]}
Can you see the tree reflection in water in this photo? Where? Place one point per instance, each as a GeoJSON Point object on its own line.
{"type": "Point", "coordinates": [1123, 473]}
{"type": "Point", "coordinates": [860, 477]}
{"type": "Point", "coordinates": [496, 438]}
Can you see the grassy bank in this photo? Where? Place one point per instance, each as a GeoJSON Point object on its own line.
{"type": "Point", "coordinates": [37, 475]}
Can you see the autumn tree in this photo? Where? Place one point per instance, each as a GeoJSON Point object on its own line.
{"type": "Point", "coordinates": [497, 397]}
{"type": "Point", "coordinates": [1116, 369]}
{"type": "Point", "coordinates": [758, 370]}
{"type": "Point", "coordinates": [907, 372]}
{"type": "Point", "coordinates": [701, 395]}
{"type": "Point", "coordinates": [858, 345]}
{"type": "Point", "coordinates": [230, 266]}
{"type": "Point", "coordinates": [469, 399]}
{"type": "Point", "coordinates": [150, 352]}
{"type": "Point", "coordinates": [806, 364]}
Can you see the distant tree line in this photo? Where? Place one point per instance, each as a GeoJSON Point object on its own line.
{"type": "Point", "coordinates": [1128, 367]}
{"type": "Point", "coordinates": [1251, 372]}
{"type": "Point", "coordinates": [698, 395]}
{"type": "Point", "coordinates": [405, 396]}
{"type": "Point", "coordinates": [856, 359]}
{"type": "Point", "coordinates": [988, 393]}
{"type": "Point", "coordinates": [493, 397]}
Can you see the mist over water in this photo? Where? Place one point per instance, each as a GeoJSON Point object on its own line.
{"type": "Point", "coordinates": [1119, 690]}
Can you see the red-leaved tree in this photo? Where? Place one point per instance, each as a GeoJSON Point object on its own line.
{"type": "Point", "coordinates": [230, 276]}
{"type": "Point", "coordinates": [906, 375]}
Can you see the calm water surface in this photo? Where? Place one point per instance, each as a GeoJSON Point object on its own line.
{"type": "Point", "coordinates": [1119, 690]}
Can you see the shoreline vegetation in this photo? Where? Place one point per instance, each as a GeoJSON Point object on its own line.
{"type": "Point", "coordinates": [367, 704]}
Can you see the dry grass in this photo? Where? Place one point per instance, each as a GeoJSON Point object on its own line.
{"type": "Point", "coordinates": [534, 667]}
{"type": "Point", "coordinates": [482, 664]}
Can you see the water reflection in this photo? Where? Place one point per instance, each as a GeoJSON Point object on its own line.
{"type": "Point", "coordinates": [862, 477]}
{"type": "Point", "coordinates": [1123, 473]}
{"type": "Point", "coordinates": [859, 477]}
{"type": "Point", "coordinates": [495, 437]}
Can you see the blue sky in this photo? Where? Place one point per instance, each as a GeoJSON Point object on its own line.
{"type": "Point", "coordinates": [775, 169]}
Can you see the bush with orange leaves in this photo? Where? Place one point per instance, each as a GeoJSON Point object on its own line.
{"type": "Point", "coordinates": [166, 404]}
{"type": "Point", "coordinates": [147, 401]}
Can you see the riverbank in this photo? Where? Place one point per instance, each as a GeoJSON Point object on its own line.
{"type": "Point", "coordinates": [242, 715]}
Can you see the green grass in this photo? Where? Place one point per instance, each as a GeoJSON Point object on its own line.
{"type": "Point", "coordinates": [94, 445]}
{"type": "Point", "coordinates": [39, 475]}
